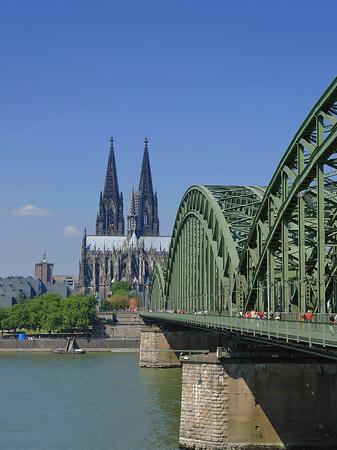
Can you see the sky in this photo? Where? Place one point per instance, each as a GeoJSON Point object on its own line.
{"type": "Point", "coordinates": [218, 87]}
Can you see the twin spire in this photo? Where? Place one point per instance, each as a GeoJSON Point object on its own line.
{"type": "Point", "coordinates": [111, 180]}
{"type": "Point", "coordinates": [143, 213]}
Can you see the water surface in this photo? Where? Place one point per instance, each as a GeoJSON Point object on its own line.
{"type": "Point", "coordinates": [92, 401]}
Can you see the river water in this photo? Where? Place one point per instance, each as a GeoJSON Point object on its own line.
{"type": "Point", "coordinates": [98, 401]}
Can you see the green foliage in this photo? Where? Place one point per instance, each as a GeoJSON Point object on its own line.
{"type": "Point", "coordinates": [3, 315]}
{"type": "Point", "coordinates": [122, 292]}
{"type": "Point", "coordinates": [124, 286]}
{"type": "Point", "coordinates": [16, 318]}
{"type": "Point", "coordinates": [106, 305]}
{"type": "Point", "coordinates": [21, 298]}
{"type": "Point", "coordinates": [52, 313]}
{"type": "Point", "coordinates": [119, 301]}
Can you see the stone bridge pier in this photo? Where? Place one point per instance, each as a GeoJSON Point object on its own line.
{"type": "Point", "coordinates": [244, 395]}
{"type": "Point", "coordinates": [237, 403]}
{"type": "Point", "coordinates": [159, 342]}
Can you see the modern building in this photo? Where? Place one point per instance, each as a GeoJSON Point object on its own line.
{"type": "Point", "coordinates": [111, 255]}
{"type": "Point", "coordinates": [11, 287]}
{"type": "Point", "coordinates": [44, 270]}
{"type": "Point", "coordinates": [70, 280]}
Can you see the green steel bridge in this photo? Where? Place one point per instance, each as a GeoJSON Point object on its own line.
{"type": "Point", "coordinates": [241, 248]}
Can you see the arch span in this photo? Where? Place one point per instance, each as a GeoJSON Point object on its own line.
{"type": "Point", "coordinates": [242, 247]}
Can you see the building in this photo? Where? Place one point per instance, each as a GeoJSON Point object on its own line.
{"type": "Point", "coordinates": [11, 287]}
{"type": "Point", "coordinates": [111, 255]}
{"type": "Point", "coordinates": [70, 280]}
{"type": "Point", "coordinates": [44, 270]}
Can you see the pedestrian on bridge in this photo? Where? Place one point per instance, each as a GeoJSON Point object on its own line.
{"type": "Point", "coordinates": [332, 322]}
{"type": "Point", "coordinates": [309, 317]}
{"type": "Point", "coordinates": [301, 318]}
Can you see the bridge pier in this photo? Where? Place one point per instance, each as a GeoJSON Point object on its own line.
{"type": "Point", "coordinates": [240, 403]}
{"type": "Point", "coordinates": [155, 350]}
{"type": "Point", "coordinates": [157, 344]}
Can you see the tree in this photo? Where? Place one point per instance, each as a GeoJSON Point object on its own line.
{"type": "Point", "coordinates": [106, 305]}
{"type": "Point", "coordinates": [52, 315]}
{"type": "Point", "coordinates": [16, 318]}
{"type": "Point", "coordinates": [79, 312]}
{"type": "Point", "coordinates": [35, 309]}
{"type": "Point", "coordinates": [3, 314]}
{"type": "Point", "coordinates": [21, 298]}
{"type": "Point", "coordinates": [44, 312]}
{"type": "Point", "coordinates": [120, 301]}
{"type": "Point", "coordinates": [121, 287]}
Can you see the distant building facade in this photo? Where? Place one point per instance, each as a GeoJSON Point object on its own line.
{"type": "Point", "coordinates": [44, 270]}
{"type": "Point", "coordinates": [70, 280]}
{"type": "Point", "coordinates": [110, 255]}
{"type": "Point", "coordinates": [11, 287]}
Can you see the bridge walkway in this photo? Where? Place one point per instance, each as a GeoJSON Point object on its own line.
{"type": "Point", "coordinates": [317, 337]}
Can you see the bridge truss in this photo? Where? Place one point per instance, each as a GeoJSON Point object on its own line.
{"type": "Point", "coordinates": [236, 248]}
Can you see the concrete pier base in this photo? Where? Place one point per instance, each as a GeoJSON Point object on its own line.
{"type": "Point", "coordinates": [246, 404]}
{"type": "Point", "coordinates": [158, 344]}
{"type": "Point", "coordinates": [155, 350]}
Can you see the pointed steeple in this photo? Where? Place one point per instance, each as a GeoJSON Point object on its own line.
{"type": "Point", "coordinates": [110, 220]}
{"type": "Point", "coordinates": [145, 183]}
{"type": "Point", "coordinates": [132, 210]}
{"type": "Point", "coordinates": [132, 217]}
{"type": "Point", "coordinates": [147, 210]}
{"type": "Point", "coordinates": [111, 180]}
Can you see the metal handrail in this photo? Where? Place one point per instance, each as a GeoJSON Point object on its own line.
{"type": "Point", "coordinates": [316, 333]}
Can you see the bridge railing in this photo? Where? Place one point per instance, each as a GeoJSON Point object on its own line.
{"type": "Point", "coordinates": [316, 333]}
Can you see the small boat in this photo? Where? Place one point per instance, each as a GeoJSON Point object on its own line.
{"type": "Point", "coordinates": [70, 349]}
{"type": "Point", "coordinates": [79, 350]}
{"type": "Point", "coordinates": [62, 351]}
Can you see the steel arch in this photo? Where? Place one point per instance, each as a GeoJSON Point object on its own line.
{"type": "Point", "coordinates": [157, 286]}
{"type": "Point", "coordinates": [243, 247]}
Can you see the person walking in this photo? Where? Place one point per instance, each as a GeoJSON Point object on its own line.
{"type": "Point", "coordinates": [301, 318]}
{"type": "Point", "coordinates": [332, 323]}
{"type": "Point", "coordinates": [309, 317]}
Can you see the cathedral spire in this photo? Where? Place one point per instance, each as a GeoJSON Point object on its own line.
{"type": "Point", "coordinates": [111, 181]}
{"type": "Point", "coordinates": [145, 183]}
{"type": "Point", "coordinates": [148, 220]}
{"type": "Point", "coordinates": [132, 217]}
{"type": "Point", "coordinates": [110, 219]}
{"type": "Point", "coordinates": [132, 210]}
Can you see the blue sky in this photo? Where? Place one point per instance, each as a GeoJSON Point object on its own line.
{"type": "Point", "coordinates": [218, 87]}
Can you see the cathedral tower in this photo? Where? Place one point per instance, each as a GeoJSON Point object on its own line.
{"type": "Point", "coordinates": [147, 211]}
{"type": "Point", "coordinates": [110, 220]}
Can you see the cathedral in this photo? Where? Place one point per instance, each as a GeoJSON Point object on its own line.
{"type": "Point", "coordinates": [111, 255]}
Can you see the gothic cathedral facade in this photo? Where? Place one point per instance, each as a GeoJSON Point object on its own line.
{"type": "Point", "coordinates": [111, 255]}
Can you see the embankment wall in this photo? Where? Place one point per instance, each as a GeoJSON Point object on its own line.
{"type": "Point", "coordinates": [90, 345]}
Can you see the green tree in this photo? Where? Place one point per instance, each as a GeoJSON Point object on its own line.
{"type": "Point", "coordinates": [79, 312]}
{"type": "Point", "coordinates": [120, 301]}
{"type": "Point", "coordinates": [3, 314]}
{"type": "Point", "coordinates": [16, 318]}
{"type": "Point", "coordinates": [21, 298]}
{"type": "Point", "coordinates": [34, 309]}
{"type": "Point", "coordinates": [124, 286]}
{"type": "Point", "coordinates": [52, 318]}
{"type": "Point", "coordinates": [106, 305]}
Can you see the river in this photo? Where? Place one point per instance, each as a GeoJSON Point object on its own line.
{"type": "Point", "coordinates": [98, 401]}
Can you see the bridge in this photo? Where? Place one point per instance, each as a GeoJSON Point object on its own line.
{"type": "Point", "coordinates": [238, 248]}
{"type": "Point", "coordinates": [235, 249]}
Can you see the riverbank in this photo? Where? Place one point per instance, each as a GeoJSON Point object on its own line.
{"type": "Point", "coordinates": [89, 344]}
